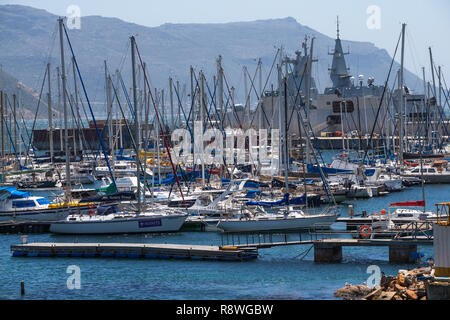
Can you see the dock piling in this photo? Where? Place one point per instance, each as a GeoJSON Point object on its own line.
{"type": "Point", "coordinates": [402, 253]}
{"type": "Point", "coordinates": [327, 252]}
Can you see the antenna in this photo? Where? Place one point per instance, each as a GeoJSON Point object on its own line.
{"type": "Point", "coordinates": [337, 26]}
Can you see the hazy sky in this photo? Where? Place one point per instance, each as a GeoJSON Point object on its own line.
{"type": "Point", "coordinates": [427, 21]}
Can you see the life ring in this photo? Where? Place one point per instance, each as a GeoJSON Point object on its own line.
{"type": "Point", "coordinates": [365, 231]}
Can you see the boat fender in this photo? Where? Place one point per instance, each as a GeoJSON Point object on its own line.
{"type": "Point", "coordinates": [228, 248]}
{"type": "Point", "coordinates": [365, 231]}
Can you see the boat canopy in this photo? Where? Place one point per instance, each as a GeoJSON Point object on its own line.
{"type": "Point", "coordinates": [420, 203]}
{"type": "Point", "coordinates": [12, 193]}
{"type": "Point", "coordinates": [283, 202]}
{"type": "Point", "coordinates": [118, 196]}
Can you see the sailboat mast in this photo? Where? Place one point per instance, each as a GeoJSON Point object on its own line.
{"type": "Point", "coordinates": [59, 108]}
{"type": "Point", "coordinates": [15, 125]}
{"type": "Point", "coordinates": [66, 134]}
{"type": "Point", "coordinates": [285, 140]}
{"type": "Point", "coordinates": [401, 102]}
{"type": "Point", "coordinates": [136, 120]}
{"type": "Point", "coordinates": [75, 115]}
{"type": "Point", "coordinates": [49, 104]}
{"type": "Point", "coordinates": [109, 108]}
{"type": "Point", "coordinates": [3, 135]}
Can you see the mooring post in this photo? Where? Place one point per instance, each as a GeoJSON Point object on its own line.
{"type": "Point", "coordinates": [329, 253]}
{"type": "Point", "coordinates": [399, 253]}
{"type": "Point", "coordinates": [22, 288]}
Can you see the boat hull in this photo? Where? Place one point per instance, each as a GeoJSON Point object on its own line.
{"type": "Point", "coordinates": [307, 222]}
{"type": "Point", "coordinates": [125, 225]}
{"type": "Point", "coordinates": [41, 215]}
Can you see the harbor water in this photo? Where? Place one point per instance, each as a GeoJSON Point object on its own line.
{"type": "Point", "coordinates": [278, 273]}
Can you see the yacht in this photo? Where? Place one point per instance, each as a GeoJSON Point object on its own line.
{"type": "Point", "coordinates": [292, 220]}
{"type": "Point", "coordinates": [22, 206]}
{"type": "Point", "coordinates": [148, 221]}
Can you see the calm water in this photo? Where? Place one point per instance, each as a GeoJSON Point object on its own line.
{"type": "Point", "coordinates": [279, 273]}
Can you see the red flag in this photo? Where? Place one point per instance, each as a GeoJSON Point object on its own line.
{"type": "Point", "coordinates": [420, 203]}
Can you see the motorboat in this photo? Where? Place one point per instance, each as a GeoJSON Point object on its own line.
{"type": "Point", "coordinates": [22, 206]}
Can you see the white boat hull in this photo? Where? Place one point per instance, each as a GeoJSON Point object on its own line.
{"type": "Point", "coordinates": [169, 223]}
{"type": "Point", "coordinates": [306, 222]}
{"type": "Point", "coordinates": [40, 215]}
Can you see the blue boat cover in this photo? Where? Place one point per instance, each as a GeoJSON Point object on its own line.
{"type": "Point", "coordinates": [283, 202]}
{"type": "Point", "coordinates": [14, 193]}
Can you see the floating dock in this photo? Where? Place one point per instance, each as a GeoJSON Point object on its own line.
{"type": "Point", "coordinates": [134, 250]}
{"type": "Point", "coordinates": [329, 250]}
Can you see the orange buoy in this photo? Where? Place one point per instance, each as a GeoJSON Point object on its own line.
{"type": "Point", "coordinates": [365, 231]}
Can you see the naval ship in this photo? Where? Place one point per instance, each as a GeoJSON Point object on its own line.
{"type": "Point", "coordinates": [349, 105]}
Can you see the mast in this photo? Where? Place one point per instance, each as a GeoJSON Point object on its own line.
{"type": "Point", "coordinates": [49, 104]}
{"type": "Point", "coordinates": [442, 123]}
{"type": "Point", "coordinates": [59, 108]}
{"type": "Point", "coordinates": [146, 107]}
{"type": "Point", "coordinates": [3, 134]}
{"type": "Point", "coordinates": [109, 108]}
{"type": "Point", "coordinates": [260, 95]}
{"type": "Point", "coordinates": [308, 97]}
{"type": "Point", "coordinates": [247, 97]}
{"type": "Point", "coordinates": [118, 103]}
{"type": "Point", "coordinates": [77, 114]}
{"type": "Point", "coordinates": [15, 125]}
{"type": "Point", "coordinates": [280, 105]}
{"type": "Point", "coordinates": [434, 83]}
{"type": "Point", "coordinates": [220, 86]}
{"type": "Point", "coordinates": [202, 107]}
{"type": "Point", "coordinates": [66, 133]}
{"type": "Point", "coordinates": [400, 87]}
{"type": "Point", "coordinates": [136, 119]}
{"type": "Point", "coordinates": [285, 141]}
{"type": "Point", "coordinates": [172, 118]}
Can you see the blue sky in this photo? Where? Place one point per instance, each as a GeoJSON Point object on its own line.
{"type": "Point", "coordinates": [427, 21]}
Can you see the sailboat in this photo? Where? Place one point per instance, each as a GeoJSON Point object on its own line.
{"type": "Point", "coordinates": [285, 220]}
{"type": "Point", "coordinates": [156, 219]}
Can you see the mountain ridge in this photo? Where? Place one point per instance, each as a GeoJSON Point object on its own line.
{"type": "Point", "coordinates": [171, 48]}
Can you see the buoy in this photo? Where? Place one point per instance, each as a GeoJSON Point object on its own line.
{"type": "Point", "coordinates": [365, 231]}
{"type": "Point", "coordinates": [383, 211]}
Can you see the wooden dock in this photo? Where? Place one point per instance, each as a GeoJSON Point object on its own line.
{"type": "Point", "coordinates": [134, 250]}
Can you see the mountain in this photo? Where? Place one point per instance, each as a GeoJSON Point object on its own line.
{"type": "Point", "coordinates": [27, 99]}
{"type": "Point", "coordinates": [30, 37]}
